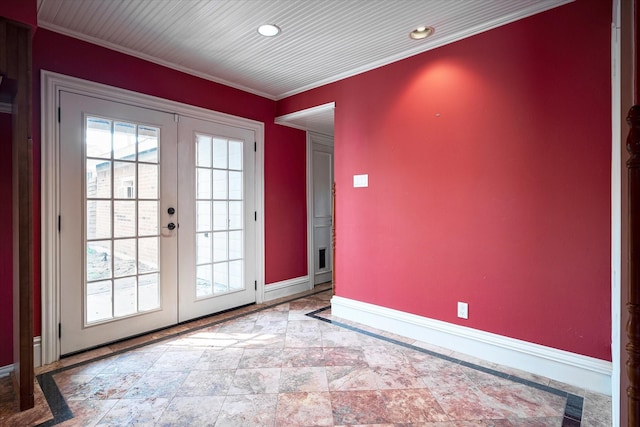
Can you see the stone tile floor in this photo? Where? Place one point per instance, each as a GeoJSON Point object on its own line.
{"type": "Point", "coordinates": [274, 365]}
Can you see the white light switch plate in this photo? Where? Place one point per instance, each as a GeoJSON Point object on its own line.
{"type": "Point", "coordinates": [360, 180]}
{"type": "Point", "coordinates": [463, 310]}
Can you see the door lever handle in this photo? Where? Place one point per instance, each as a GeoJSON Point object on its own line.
{"type": "Point", "coordinates": [171, 226]}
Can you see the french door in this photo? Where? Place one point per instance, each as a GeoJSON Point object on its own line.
{"type": "Point", "coordinates": [154, 220]}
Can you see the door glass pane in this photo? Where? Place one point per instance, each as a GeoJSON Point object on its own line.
{"type": "Point", "coordinates": [235, 215]}
{"type": "Point", "coordinates": [124, 141]}
{"type": "Point", "coordinates": [124, 218]}
{"type": "Point", "coordinates": [124, 180]}
{"type": "Point", "coordinates": [203, 248]}
{"type": "Point", "coordinates": [220, 220]}
{"type": "Point", "coordinates": [148, 176]}
{"type": "Point", "coordinates": [235, 275]}
{"type": "Point", "coordinates": [148, 139]}
{"type": "Point", "coordinates": [125, 298]}
{"type": "Point", "coordinates": [203, 216]}
{"type": "Point", "coordinates": [99, 301]}
{"type": "Point", "coordinates": [98, 219]}
{"type": "Point", "coordinates": [98, 178]}
{"type": "Point", "coordinates": [147, 218]}
{"type": "Point", "coordinates": [235, 185]}
{"type": "Point", "coordinates": [220, 246]}
{"type": "Point", "coordinates": [204, 285]}
{"type": "Point", "coordinates": [98, 260]}
{"type": "Point", "coordinates": [235, 155]}
{"type": "Point", "coordinates": [124, 257]}
{"type": "Point", "coordinates": [203, 144]}
{"type": "Point", "coordinates": [235, 245]}
{"type": "Point", "coordinates": [220, 184]}
{"type": "Point", "coordinates": [203, 183]}
{"type": "Point", "coordinates": [148, 255]}
{"type": "Point", "coordinates": [122, 268]}
{"type": "Point", "coordinates": [148, 292]}
{"type": "Point", "coordinates": [221, 277]}
{"type": "Point", "coordinates": [219, 189]}
{"type": "Point", "coordinates": [219, 153]}
{"type": "Point", "coordinates": [98, 138]}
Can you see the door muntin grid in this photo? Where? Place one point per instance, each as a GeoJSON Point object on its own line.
{"type": "Point", "coordinates": [219, 212]}
{"type": "Point", "coordinates": [122, 233]}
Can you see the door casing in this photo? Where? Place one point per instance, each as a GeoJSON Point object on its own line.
{"type": "Point", "coordinates": [52, 85]}
{"type": "Point", "coordinates": [325, 140]}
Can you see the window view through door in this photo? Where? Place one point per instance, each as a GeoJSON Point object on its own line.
{"type": "Point", "coordinates": [219, 217]}
{"type": "Point", "coordinates": [122, 233]}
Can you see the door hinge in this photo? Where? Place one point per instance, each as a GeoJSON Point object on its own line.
{"type": "Point", "coordinates": [59, 113]}
{"type": "Point", "coordinates": [176, 118]}
{"type": "Point", "coordinates": [255, 147]}
{"type": "Point", "coordinates": [255, 215]}
{"type": "Point", "coordinates": [256, 285]}
{"type": "Point", "coordinates": [59, 223]}
{"type": "Point", "coordinates": [59, 330]}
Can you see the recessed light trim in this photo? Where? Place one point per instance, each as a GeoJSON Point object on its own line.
{"type": "Point", "coordinates": [269, 30]}
{"type": "Point", "coordinates": [421, 32]}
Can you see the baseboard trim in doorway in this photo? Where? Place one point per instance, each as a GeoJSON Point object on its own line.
{"type": "Point", "coordinates": [286, 288]}
{"type": "Point", "coordinates": [5, 370]}
{"type": "Point", "coordinates": [570, 368]}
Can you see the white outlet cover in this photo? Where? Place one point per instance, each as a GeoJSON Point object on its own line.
{"type": "Point", "coordinates": [360, 181]}
{"type": "Point", "coordinates": [463, 310]}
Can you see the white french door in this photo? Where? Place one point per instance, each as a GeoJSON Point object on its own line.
{"type": "Point", "coordinates": [156, 220]}
{"type": "Point", "coordinates": [217, 200]}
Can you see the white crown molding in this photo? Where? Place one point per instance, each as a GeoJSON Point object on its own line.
{"type": "Point", "coordinates": [149, 58]}
{"type": "Point", "coordinates": [538, 7]}
{"type": "Point", "coordinates": [570, 368]}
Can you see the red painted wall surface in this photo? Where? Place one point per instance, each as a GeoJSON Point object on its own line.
{"type": "Point", "coordinates": [24, 11]}
{"type": "Point", "coordinates": [489, 180]}
{"type": "Point", "coordinates": [6, 245]}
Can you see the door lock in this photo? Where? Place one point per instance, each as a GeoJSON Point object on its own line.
{"type": "Point", "coordinates": [171, 226]}
{"type": "Point", "coordinates": [171, 211]}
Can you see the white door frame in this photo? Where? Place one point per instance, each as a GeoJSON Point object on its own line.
{"type": "Point", "coordinates": [311, 267]}
{"type": "Point", "coordinates": [52, 85]}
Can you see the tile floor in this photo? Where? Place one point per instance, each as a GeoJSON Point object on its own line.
{"type": "Point", "coordinates": [276, 365]}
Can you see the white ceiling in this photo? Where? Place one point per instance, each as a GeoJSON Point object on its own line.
{"type": "Point", "coordinates": [321, 40]}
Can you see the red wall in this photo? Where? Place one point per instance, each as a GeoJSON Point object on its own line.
{"type": "Point", "coordinates": [24, 11]}
{"type": "Point", "coordinates": [6, 245]}
{"type": "Point", "coordinates": [489, 180]}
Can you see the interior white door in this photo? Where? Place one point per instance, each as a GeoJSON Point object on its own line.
{"type": "Point", "coordinates": [322, 206]}
{"type": "Point", "coordinates": [118, 257]}
{"type": "Point", "coordinates": [217, 245]}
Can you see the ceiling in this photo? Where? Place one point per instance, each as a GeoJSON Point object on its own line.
{"type": "Point", "coordinates": [321, 40]}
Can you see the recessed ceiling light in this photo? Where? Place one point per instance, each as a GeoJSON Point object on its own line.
{"type": "Point", "coordinates": [269, 30]}
{"type": "Point", "coordinates": [421, 33]}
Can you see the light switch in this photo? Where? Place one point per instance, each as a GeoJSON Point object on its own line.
{"type": "Point", "coordinates": [360, 180]}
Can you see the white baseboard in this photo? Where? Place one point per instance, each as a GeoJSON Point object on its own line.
{"type": "Point", "coordinates": [37, 358]}
{"type": "Point", "coordinates": [5, 370]}
{"type": "Point", "coordinates": [570, 368]}
{"type": "Point", "coordinates": [37, 352]}
{"type": "Point", "coordinates": [286, 288]}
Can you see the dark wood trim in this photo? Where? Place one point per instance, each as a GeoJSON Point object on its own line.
{"type": "Point", "coordinates": [633, 324]}
{"type": "Point", "coordinates": [333, 237]}
{"type": "Point", "coordinates": [15, 65]}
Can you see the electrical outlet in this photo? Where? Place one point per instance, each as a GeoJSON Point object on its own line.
{"type": "Point", "coordinates": [463, 310]}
